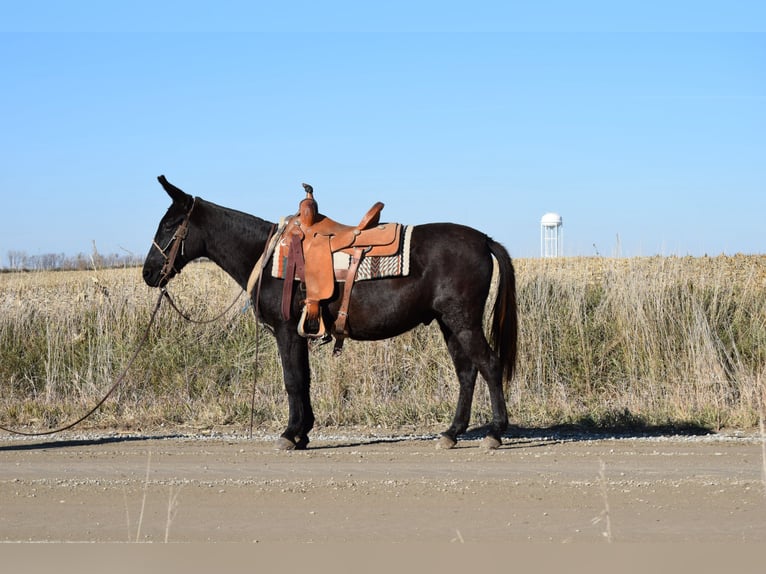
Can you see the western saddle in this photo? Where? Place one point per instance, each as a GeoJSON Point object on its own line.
{"type": "Point", "coordinates": [310, 240]}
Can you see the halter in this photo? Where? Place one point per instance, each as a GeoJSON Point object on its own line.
{"type": "Point", "coordinates": [175, 244]}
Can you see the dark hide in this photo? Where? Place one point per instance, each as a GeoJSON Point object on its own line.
{"type": "Point", "coordinates": [449, 282]}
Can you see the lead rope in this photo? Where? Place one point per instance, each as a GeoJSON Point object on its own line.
{"type": "Point", "coordinates": [109, 392]}
{"type": "Point", "coordinates": [188, 318]}
{"type": "Point", "coordinates": [271, 242]}
{"type": "Point", "coordinates": [176, 244]}
{"type": "Point", "coordinates": [257, 362]}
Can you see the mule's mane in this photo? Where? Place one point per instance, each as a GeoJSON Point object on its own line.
{"type": "Point", "coordinates": [234, 239]}
{"type": "Point", "coordinates": [231, 212]}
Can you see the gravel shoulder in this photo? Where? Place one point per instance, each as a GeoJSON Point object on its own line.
{"type": "Point", "coordinates": [187, 487]}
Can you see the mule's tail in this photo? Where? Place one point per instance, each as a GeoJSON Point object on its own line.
{"type": "Point", "coordinates": [503, 332]}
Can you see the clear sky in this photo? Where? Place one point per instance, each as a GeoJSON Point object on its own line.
{"type": "Point", "coordinates": [641, 123]}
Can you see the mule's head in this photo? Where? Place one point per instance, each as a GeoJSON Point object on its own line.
{"type": "Point", "coordinates": [174, 243]}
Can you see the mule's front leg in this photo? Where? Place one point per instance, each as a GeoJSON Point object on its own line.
{"type": "Point", "coordinates": [293, 351]}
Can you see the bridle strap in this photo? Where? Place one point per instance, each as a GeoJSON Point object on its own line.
{"type": "Point", "coordinates": [176, 244]}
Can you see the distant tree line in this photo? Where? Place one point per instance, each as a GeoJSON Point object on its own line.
{"type": "Point", "coordinates": [22, 261]}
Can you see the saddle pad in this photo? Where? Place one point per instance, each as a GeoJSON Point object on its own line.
{"type": "Point", "coordinates": [371, 267]}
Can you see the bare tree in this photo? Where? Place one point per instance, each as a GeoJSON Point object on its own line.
{"type": "Point", "coordinates": [17, 259]}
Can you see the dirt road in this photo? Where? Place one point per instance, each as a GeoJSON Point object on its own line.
{"type": "Point", "coordinates": [363, 488]}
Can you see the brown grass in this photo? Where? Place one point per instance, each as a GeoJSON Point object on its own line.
{"type": "Point", "coordinates": [606, 342]}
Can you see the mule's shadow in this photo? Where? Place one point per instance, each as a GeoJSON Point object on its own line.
{"type": "Point", "coordinates": [515, 437]}
{"type": "Point", "coordinates": [80, 442]}
{"type": "Point", "coordinates": [525, 437]}
{"type": "Point", "coordinates": [531, 437]}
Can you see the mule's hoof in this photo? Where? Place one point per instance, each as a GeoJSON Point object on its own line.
{"type": "Point", "coordinates": [491, 443]}
{"type": "Point", "coordinates": [284, 444]}
{"type": "Point", "coordinates": [445, 443]}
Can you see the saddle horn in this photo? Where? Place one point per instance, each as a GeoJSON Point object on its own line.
{"type": "Point", "coordinates": [308, 210]}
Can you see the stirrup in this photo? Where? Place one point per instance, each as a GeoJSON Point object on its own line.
{"type": "Point", "coordinates": [321, 332]}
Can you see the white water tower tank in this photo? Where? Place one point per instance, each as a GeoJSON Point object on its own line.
{"type": "Point", "coordinates": [551, 235]}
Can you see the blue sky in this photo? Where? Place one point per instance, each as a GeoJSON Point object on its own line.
{"type": "Point", "coordinates": [641, 123]}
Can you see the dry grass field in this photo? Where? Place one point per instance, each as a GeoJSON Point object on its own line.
{"type": "Point", "coordinates": [639, 342]}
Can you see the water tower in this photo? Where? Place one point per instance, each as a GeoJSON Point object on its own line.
{"type": "Point", "coordinates": [551, 235]}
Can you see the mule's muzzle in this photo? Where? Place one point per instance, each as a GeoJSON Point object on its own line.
{"type": "Point", "coordinates": [154, 277]}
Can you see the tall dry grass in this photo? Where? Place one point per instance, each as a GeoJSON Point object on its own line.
{"type": "Point", "coordinates": [644, 341]}
{"type": "Point", "coordinates": [660, 340]}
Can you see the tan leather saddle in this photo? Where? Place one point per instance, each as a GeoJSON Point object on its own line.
{"type": "Point", "coordinates": [312, 239]}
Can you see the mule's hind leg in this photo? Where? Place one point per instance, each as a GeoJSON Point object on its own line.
{"type": "Point", "coordinates": [491, 369]}
{"type": "Point", "coordinates": [466, 374]}
{"type": "Point", "coordinates": [475, 348]}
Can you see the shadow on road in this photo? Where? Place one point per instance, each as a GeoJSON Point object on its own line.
{"type": "Point", "coordinates": [530, 437]}
{"type": "Point", "coordinates": [515, 437]}
{"type": "Point", "coordinates": [79, 442]}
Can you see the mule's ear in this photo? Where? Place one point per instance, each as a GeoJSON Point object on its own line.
{"type": "Point", "coordinates": [176, 194]}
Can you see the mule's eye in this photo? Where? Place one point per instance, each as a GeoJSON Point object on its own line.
{"type": "Point", "coordinates": [170, 225]}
